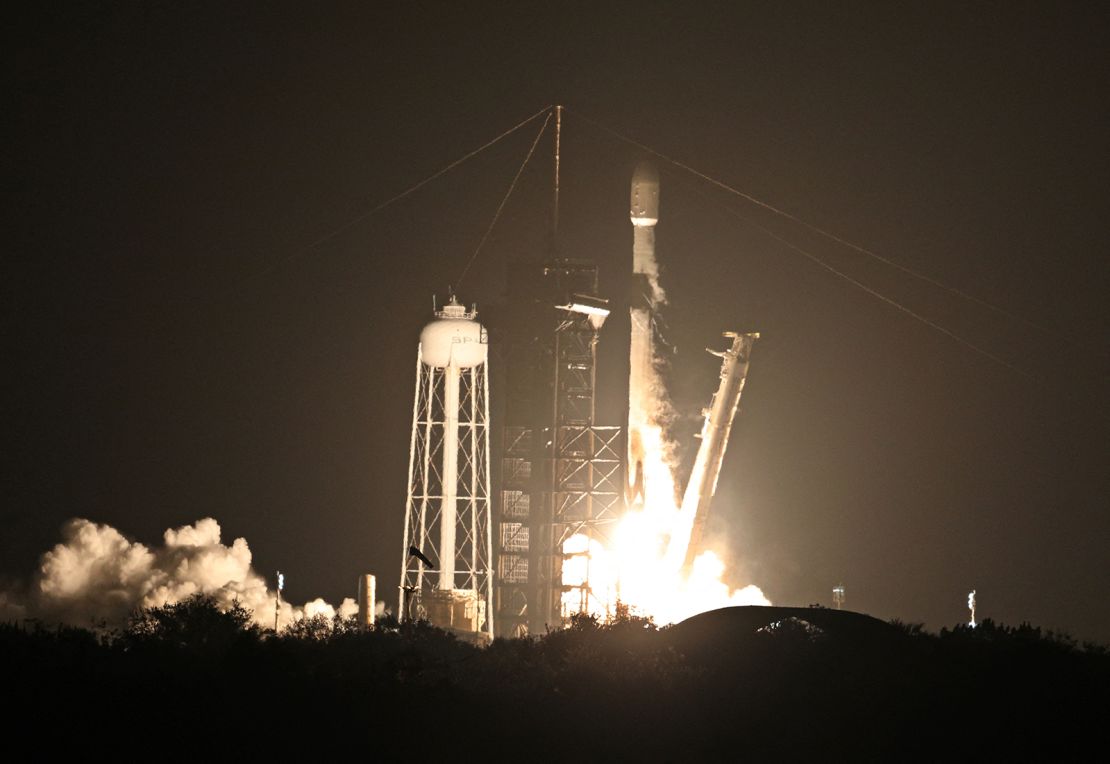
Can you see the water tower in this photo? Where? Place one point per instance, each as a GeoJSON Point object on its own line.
{"type": "Point", "coordinates": [446, 556]}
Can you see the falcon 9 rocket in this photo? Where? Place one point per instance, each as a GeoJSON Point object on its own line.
{"type": "Point", "coordinates": [645, 295]}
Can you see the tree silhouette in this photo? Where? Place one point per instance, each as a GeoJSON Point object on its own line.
{"type": "Point", "coordinates": [625, 688]}
{"type": "Point", "coordinates": [196, 623]}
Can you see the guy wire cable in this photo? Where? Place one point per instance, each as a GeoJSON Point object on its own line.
{"type": "Point", "coordinates": [820, 231]}
{"type": "Point", "coordinates": [496, 215]}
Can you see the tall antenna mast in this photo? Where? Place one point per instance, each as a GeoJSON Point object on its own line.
{"type": "Point", "coordinates": [277, 599]}
{"type": "Point", "coordinates": [558, 136]}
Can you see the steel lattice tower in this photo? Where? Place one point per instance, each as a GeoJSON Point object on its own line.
{"type": "Point", "coordinates": [560, 473]}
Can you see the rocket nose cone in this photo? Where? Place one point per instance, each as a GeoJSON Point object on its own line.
{"type": "Point", "coordinates": [645, 174]}
{"type": "Point", "coordinates": [644, 210]}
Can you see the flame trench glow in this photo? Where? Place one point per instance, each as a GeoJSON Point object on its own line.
{"type": "Point", "coordinates": [636, 565]}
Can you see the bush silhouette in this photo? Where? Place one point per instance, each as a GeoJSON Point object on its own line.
{"type": "Point", "coordinates": [196, 623]}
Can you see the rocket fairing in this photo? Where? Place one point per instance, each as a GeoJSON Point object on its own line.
{"type": "Point", "coordinates": [644, 213]}
{"type": "Point", "coordinates": [645, 195]}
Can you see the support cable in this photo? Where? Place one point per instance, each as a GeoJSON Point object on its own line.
{"type": "Point", "coordinates": [407, 192]}
{"type": "Point", "coordinates": [874, 293]}
{"type": "Point", "coordinates": [820, 231]}
{"type": "Point", "coordinates": [504, 200]}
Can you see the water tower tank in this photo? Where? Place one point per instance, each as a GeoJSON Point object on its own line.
{"type": "Point", "coordinates": [454, 338]}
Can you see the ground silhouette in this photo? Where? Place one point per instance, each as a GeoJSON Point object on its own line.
{"type": "Point", "coordinates": [188, 679]}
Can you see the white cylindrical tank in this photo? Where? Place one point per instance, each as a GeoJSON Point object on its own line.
{"type": "Point", "coordinates": [454, 338]}
{"type": "Point", "coordinates": [367, 586]}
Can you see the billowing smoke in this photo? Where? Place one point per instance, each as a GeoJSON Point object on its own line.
{"type": "Point", "coordinates": [96, 575]}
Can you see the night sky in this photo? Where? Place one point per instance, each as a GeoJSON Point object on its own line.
{"type": "Point", "coordinates": [174, 348]}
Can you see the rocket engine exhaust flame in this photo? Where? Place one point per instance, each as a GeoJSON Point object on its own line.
{"type": "Point", "coordinates": [632, 566]}
{"type": "Point", "coordinates": [97, 575]}
{"type": "Point", "coordinates": [971, 607]}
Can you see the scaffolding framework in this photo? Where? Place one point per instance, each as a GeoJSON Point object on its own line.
{"type": "Point", "coordinates": [561, 474]}
{"type": "Point", "coordinates": [587, 500]}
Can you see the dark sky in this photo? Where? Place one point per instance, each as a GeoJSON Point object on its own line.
{"type": "Point", "coordinates": [173, 351]}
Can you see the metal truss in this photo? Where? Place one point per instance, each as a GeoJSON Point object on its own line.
{"type": "Point", "coordinates": [560, 474]}
{"type": "Point", "coordinates": [473, 550]}
{"type": "Point", "coordinates": [588, 500]}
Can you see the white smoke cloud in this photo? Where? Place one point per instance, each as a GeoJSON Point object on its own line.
{"type": "Point", "coordinates": [97, 575]}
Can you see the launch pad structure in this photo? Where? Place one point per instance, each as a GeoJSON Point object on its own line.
{"type": "Point", "coordinates": [561, 472]}
{"type": "Point", "coordinates": [564, 476]}
{"type": "Point", "coordinates": [517, 560]}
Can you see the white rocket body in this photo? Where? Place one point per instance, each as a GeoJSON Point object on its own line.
{"type": "Point", "coordinates": [644, 212]}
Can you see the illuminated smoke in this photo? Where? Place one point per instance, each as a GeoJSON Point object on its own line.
{"type": "Point", "coordinates": [971, 607]}
{"type": "Point", "coordinates": [97, 575]}
{"type": "Point", "coordinates": [632, 566]}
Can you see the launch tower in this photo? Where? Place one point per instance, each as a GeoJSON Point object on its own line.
{"type": "Point", "coordinates": [560, 471]}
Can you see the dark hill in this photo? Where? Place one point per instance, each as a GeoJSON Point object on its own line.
{"type": "Point", "coordinates": [727, 625]}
